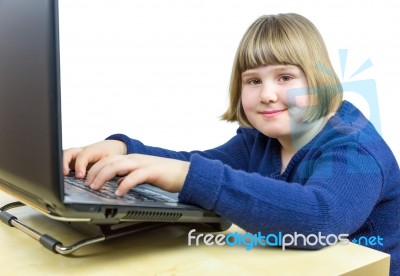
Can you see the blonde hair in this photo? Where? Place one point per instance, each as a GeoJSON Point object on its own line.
{"type": "Point", "coordinates": [286, 39]}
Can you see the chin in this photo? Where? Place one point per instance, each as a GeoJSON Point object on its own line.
{"type": "Point", "coordinates": [274, 133]}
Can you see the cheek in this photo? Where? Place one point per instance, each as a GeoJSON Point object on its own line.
{"type": "Point", "coordinates": [249, 101]}
{"type": "Point", "coordinates": [296, 98]}
{"type": "Point", "coordinates": [302, 101]}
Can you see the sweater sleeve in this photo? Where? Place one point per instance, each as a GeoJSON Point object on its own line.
{"type": "Point", "coordinates": [337, 197]}
{"type": "Point", "coordinates": [234, 153]}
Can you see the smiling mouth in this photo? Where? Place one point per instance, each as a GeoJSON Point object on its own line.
{"type": "Point", "coordinates": [272, 113]}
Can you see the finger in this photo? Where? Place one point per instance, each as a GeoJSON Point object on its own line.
{"type": "Point", "coordinates": [131, 180]}
{"type": "Point", "coordinates": [69, 156]}
{"type": "Point", "coordinates": [98, 166]}
{"type": "Point", "coordinates": [120, 180]}
{"type": "Point", "coordinates": [83, 159]}
{"type": "Point", "coordinates": [111, 168]}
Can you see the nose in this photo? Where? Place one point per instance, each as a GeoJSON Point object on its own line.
{"type": "Point", "coordinates": [269, 93]}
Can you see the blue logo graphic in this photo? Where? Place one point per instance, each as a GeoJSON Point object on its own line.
{"type": "Point", "coordinates": [368, 241]}
{"type": "Point", "coordinates": [365, 88]}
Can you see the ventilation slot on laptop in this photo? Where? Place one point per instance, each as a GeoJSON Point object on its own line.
{"type": "Point", "coordinates": [152, 216]}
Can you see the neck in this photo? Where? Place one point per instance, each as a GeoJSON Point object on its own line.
{"type": "Point", "coordinates": [297, 140]}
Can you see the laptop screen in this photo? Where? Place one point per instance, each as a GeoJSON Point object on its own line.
{"type": "Point", "coordinates": [30, 144]}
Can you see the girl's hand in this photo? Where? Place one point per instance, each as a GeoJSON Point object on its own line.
{"type": "Point", "coordinates": [79, 159]}
{"type": "Point", "coordinates": [167, 174]}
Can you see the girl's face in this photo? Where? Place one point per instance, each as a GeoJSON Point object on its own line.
{"type": "Point", "coordinates": [274, 98]}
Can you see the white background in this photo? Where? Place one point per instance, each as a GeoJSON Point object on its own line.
{"type": "Point", "coordinates": [159, 70]}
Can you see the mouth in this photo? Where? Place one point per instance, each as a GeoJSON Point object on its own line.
{"type": "Point", "coordinates": [272, 113]}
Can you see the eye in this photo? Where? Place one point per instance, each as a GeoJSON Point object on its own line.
{"type": "Point", "coordinates": [285, 78]}
{"type": "Point", "coordinates": [254, 81]}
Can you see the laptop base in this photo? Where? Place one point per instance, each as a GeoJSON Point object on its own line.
{"type": "Point", "coordinates": [96, 232]}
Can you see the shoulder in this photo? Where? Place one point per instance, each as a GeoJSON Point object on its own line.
{"type": "Point", "coordinates": [349, 125]}
{"type": "Point", "coordinates": [349, 120]}
{"type": "Point", "coordinates": [351, 132]}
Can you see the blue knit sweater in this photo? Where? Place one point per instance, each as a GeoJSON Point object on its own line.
{"type": "Point", "coordinates": [344, 181]}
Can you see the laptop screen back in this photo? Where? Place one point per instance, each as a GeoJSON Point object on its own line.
{"type": "Point", "coordinates": [30, 147]}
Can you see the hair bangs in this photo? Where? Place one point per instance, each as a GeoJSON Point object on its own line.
{"type": "Point", "coordinates": [265, 44]}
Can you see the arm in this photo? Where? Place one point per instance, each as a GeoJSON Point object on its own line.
{"type": "Point", "coordinates": [234, 153]}
{"type": "Point", "coordinates": [337, 198]}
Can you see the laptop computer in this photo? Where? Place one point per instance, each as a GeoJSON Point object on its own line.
{"type": "Point", "coordinates": [30, 126]}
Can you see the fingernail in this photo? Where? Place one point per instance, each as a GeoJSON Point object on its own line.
{"type": "Point", "coordinates": [118, 193]}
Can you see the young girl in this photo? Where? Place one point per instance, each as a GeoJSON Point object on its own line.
{"type": "Point", "coordinates": [302, 160]}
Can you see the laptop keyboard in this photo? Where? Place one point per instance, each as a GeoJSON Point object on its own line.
{"type": "Point", "coordinates": [107, 191]}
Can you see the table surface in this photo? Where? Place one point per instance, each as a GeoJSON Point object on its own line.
{"type": "Point", "coordinates": [165, 251]}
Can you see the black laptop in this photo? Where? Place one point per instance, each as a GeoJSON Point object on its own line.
{"type": "Point", "coordinates": [30, 132]}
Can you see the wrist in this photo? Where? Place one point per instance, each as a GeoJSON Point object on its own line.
{"type": "Point", "coordinates": [184, 172]}
{"type": "Point", "coordinates": [131, 145]}
{"type": "Point", "coordinates": [121, 147]}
